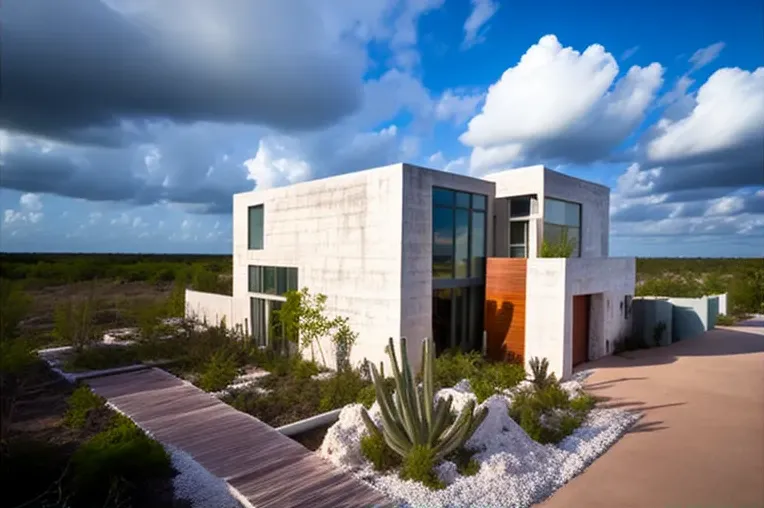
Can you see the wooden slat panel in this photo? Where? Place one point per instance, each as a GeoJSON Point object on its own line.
{"type": "Point", "coordinates": [263, 465]}
{"type": "Point", "coordinates": [505, 307]}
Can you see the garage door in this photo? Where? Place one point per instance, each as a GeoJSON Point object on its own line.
{"type": "Point", "coordinates": [580, 329]}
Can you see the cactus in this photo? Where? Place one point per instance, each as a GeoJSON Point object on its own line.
{"type": "Point", "coordinates": [408, 416]}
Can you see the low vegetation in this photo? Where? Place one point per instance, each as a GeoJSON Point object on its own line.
{"type": "Point", "coordinates": [485, 377]}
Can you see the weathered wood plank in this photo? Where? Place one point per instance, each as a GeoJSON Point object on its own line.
{"type": "Point", "coordinates": [264, 466]}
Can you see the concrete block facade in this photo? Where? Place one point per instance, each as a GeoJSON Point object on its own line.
{"type": "Point", "coordinates": [551, 285]}
{"type": "Point", "coordinates": [365, 240]}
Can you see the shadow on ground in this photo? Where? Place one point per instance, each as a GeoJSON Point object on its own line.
{"type": "Point", "coordinates": [717, 342]}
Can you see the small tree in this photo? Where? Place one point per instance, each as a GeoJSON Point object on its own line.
{"type": "Point", "coordinates": [303, 320]}
{"type": "Point", "coordinates": [563, 248]}
{"type": "Point", "coordinates": [176, 302]}
{"type": "Point", "coordinates": [73, 322]}
{"type": "Point", "coordinates": [344, 338]}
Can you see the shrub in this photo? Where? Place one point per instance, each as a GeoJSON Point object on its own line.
{"type": "Point", "coordinates": [549, 414]}
{"type": "Point", "coordinates": [376, 451]}
{"type": "Point", "coordinates": [465, 464]}
{"type": "Point", "coordinates": [73, 322]}
{"type": "Point", "coordinates": [539, 371]}
{"type": "Point", "coordinates": [495, 377]}
{"type": "Point", "coordinates": [292, 399]}
{"type": "Point", "coordinates": [120, 457]}
{"type": "Point", "coordinates": [454, 365]}
{"type": "Point", "coordinates": [725, 320]}
{"type": "Point", "coordinates": [418, 466]}
{"type": "Point", "coordinates": [80, 405]}
{"type": "Point", "coordinates": [220, 372]}
{"type": "Point", "coordinates": [344, 338]}
{"type": "Point", "coordinates": [368, 394]}
{"type": "Point", "coordinates": [15, 305]}
{"type": "Point", "coordinates": [339, 390]}
{"type": "Point", "coordinates": [102, 357]}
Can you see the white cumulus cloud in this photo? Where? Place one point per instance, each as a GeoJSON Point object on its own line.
{"type": "Point", "coordinates": [559, 105]}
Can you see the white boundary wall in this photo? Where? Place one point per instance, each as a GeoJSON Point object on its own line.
{"type": "Point", "coordinates": [209, 307]}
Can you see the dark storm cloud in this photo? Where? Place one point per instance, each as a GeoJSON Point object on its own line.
{"type": "Point", "coordinates": [76, 69]}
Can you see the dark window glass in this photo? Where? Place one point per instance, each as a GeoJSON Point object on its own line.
{"type": "Point", "coordinates": [518, 233]}
{"type": "Point", "coordinates": [443, 197]}
{"type": "Point", "coordinates": [276, 332]}
{"type": "Point", "coordinates": [478, 202]}
{"type": "Point", "coordinates": [443, 242]}
{"type": "Point", "coordinates": [269, 280]}
{"type": "Point", "coordinates": [477, 253]}
{"type": "Point", "coordinates": [555, 234]}
{"type": "Point", "coordinates": [520, 207]}
{"type": "Point", "coordinates": [441, 319]}
{"type": "Point", "coordinates": [476, 305]}
{"type": "Point", "coordinates": [572, 214]}
{"type": "Point", "coordinates": [462, 338]}
{"type": "Point", "coordinates": [255, 279]}
{"type": "Point", "coordinates": [462, 240]}
{"type": "Point", "coordinates": [255, 227]}
{"type": "Point", "coordinates": [562, 213]}
{"type": "Point", "coordinates": [257, 321]}
{"type": "Point", "coordinates": [291, 279]}
{"type": "Point", "coordinates": [517, 251]}
{"type": "Point", "coordinates": [281, 280]}
{"type": "Point", "coordinates": [462, 199]}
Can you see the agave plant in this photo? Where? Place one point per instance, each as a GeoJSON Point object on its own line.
{"type": "Point", "coordinates": [409, 418]}
{"type": "Point", "coordinates": [539, 369]}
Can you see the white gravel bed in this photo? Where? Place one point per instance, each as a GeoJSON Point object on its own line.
{"type": "Point", "coordinates": [515, 471]}
{"type": "Point", "coordinates": [197, 485]}
{"type": "Point", "coordinates": [322, 376]}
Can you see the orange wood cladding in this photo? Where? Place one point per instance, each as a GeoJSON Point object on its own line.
{"type": "Point", "coordinates": [505, 307]}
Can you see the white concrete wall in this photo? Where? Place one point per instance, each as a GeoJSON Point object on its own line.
{"type": "Point", "coordinates": [722, 303]}
{"type": "Point", "coordinates": [344, 236]}
{"type": "Point", "coordinates": [594, 200]}
{"type": "Point", "coordinates": [209, 307]}
{"type": "Point", "coordinates": [551, 285]}
{"type": "Point", "coordinates": [416, 281]}
{"type": "Point", "coordinates": [612, 279]}
{"type": "Point", "coordinates": [546, 312]}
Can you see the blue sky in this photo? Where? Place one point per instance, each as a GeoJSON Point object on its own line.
{"type": "Point", "coordinates": [126, 128]}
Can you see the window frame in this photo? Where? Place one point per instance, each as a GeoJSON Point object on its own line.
{"type": "Point", "coordinates": [256, 245]}
{"type": "Point", "coordinates": [566, 227]}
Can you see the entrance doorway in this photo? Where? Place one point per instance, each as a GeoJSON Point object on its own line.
{"type": "Point", "coordinates": [581, 304]}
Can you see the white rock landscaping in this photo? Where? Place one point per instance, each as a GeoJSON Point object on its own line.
{"type": "Point", "coordinates": [515, 470]}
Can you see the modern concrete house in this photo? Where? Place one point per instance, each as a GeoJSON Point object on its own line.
{"type": "Point", "coordinates": [407, 251]}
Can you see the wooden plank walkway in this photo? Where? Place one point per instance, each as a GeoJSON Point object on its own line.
{"type": "Point", "coordinates": [262, 465]}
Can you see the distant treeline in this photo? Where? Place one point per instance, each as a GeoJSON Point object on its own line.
{"type": "Point", "coordinates": [741, 278]}
{"type": "Point", "coordinates": [55, 269]}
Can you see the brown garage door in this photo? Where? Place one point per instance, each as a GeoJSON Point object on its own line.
{"type": "Point", "coordinates": [580, 329]}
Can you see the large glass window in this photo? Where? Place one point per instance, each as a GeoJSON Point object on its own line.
{"type": "Point", "coordinates": [458, 268]}
{"type": "Point", "coordinates": [272, 280]}
{"type": "Point", "coordinates": [255, 227]}
{"type": "Point", "coordinates": [264, 325]}
{"type": "Point", "coordinates": [458, 234]}
{"type": "Point", "coordinates": [518, 239]}
{"type": "Point", "coordinates": [562, 223]}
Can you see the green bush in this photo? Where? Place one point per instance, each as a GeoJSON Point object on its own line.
{"type": "Point", "coordinates": [418, 466]}
{"type": "Point", "coordinates": [219, 372]}
{"type": "Point", "coordinates": [495, 377]}
{"type": "Point", "coordinates": [454, 365]}
{"type": "Point", "coordinates": [80, 405]}
{"type": "Point", "coordinates": [120, 457]}
{"type": "Point", "coordinates": [341, 389]}
{"type": "Point", "coordinates": [726, 320]}
{"type": "Point", "coordinates": [98, 357]}
{"type": "Point", "coordinates": [465, 464]}
{"type": "Point", "coordinates": [376, 451]}
{"type": "Point", "coordinates": [549, 414]}
{"type": "Point", "coordinates": [292, 399]}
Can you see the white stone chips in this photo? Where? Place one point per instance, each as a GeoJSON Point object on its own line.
{"type": "Point", "coordinates": [515, 471]}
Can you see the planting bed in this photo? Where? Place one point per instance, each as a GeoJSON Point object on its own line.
{"type": "Point", "coordinates": [514, 470]}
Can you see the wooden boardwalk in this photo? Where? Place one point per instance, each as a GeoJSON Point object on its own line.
{"type": "Point", "coordinates": [259, 464]}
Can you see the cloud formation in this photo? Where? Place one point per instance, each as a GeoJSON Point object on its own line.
{"type": "Point", "coordinates": [557, 105]}
{"type": "Point", "coordinates": [482, 12]}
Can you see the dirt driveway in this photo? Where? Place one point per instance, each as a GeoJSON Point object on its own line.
{"type": "Point", "coordinates": [700, 443]}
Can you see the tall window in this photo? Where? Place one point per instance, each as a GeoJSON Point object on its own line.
{"type": "Point", "coordinates": [458, 234]}
{"type": "Point", "coordinates": [255, 227]}
{"type": "Point", "coordinates": [458, 268]}
{"type": "Point", "coordinates": [520, 209]}
{"type": "Point", "coordinates": [562, 222]}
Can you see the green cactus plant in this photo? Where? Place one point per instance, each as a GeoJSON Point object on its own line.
{"type": "Point", "coordinates": [408, 416]}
